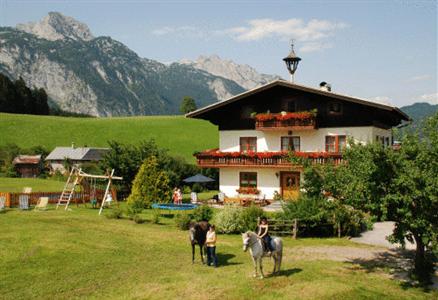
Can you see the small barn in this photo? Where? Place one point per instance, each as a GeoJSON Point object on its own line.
{"type": "Point", "coordinates": [28, 166]}
{"type": "Point", "coordinates": [76, 156]}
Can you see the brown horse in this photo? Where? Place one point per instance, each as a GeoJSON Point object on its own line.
{"type": "Point", "coordinates": [198, 236]}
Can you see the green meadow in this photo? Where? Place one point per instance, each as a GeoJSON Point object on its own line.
{"type": "Point", "coordinates": [59, 254]}
{"type": "Point", "coordinates": [181, 136]}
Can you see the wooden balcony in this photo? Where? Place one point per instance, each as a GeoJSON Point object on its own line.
{"type": "Point", "coordinates": [288, 121]}
{"type": "Point", "coordinates": [217, 159]}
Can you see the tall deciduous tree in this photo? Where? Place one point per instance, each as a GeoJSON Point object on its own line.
{"type": "Point", "coordinates": [412, 200]}
{"type": "Point", "coordinates": [187, 105]}
{"type": "Point", "coordinates": [150, 185]}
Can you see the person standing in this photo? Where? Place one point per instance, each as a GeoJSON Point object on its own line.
{"type": "Point", "coordinates": [211, 247]}
{"type": "Point", "coordinates": [179, 196]}
{"type": "Point", "coordinates": [175, 196]}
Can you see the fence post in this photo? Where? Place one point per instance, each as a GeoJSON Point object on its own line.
{"type": "Point", "coordinates": [339, 229]}
{"type": "Point", "coordinates": [295, 229]}
{"type": "Point", "coordinates": [8, 200]}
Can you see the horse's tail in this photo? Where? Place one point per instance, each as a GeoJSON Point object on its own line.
{"type": "Point", "coordinates": [279, 250]}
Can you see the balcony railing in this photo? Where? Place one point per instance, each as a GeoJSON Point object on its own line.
{"type": "Point", "coordinates": [287, 121]}
{"type": "Point", "coordinates": [217, 159]}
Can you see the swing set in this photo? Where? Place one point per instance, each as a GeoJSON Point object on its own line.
{"type": "Point", "coordinates": [87, 183]}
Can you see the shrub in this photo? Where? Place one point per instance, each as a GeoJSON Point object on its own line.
{"type": "Point", "coordinates": [250, 216]}
{"type": "Point", "coordinates": [150, 185]}
{"type": "Point", "coordinates": [203, 213]}
{"type": "Point", "coordinates": [133, 208]}
{"type": "Point", "coordinates": [197, 188]}
{"type": "Point", "coordinates": [115, 213]}
{"type": "Point", "coordinates": [229, 219]}
{"type": "Point", "coordinates": [137, 219]}
{"type": "Point", "coordinates": [156, 214]}
{"type": "Point", "coordinates": [182, 221]}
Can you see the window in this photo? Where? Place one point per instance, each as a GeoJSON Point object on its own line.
{"type": "Point", "coordinates": [290, 143]}
{"type": "Point", "coordinates": [335, 108]}
{"type": "Point", "coordinates": [248, 179]}
{"type": "Point", "coordinates": [335, 143]}
{"type": "Point", "coordinates": [248, 144]}
{"type": "Point", "coordinates": [289, 105]}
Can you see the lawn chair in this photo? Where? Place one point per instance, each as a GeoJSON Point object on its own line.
{"type": "Point", "coordinates": [27, 190]}
{"type": "Point", "coordinates": [42, 203]}
{"type": "Point", "coordinates": [221, 197]}
{"type": "Point", "coordinates": [23, 201]}
{"type": "Point", "coordinates": [2, 202]}
{"type": "Point", "coordinates": [193, 197]}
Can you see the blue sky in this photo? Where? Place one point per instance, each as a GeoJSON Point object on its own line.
{"type": "Point", "coordinates": [383, 50]}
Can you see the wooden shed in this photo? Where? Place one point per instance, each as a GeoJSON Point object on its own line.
{"type": "Point", "coordinates": [28, 166]}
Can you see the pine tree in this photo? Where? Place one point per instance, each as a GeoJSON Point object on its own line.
{"type": "Point", "coordinates": [150, 185]}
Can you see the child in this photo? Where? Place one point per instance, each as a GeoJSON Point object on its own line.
{"type": "Point", "coordinates": [211, 247]}
{"type": "Point", "coordinates": [179, 196]}
{"type": "Point", "coordinates": [175, 196]}
{"type": "Point", "coordinates": [263, 233]}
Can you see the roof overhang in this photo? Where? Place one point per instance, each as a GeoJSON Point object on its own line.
{"type": "Point", "coordinates": [197, 113]}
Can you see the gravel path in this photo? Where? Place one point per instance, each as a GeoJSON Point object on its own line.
{"type": "Point", "coordinates": [377, 236]}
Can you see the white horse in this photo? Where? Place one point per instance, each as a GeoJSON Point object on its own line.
{"type": "Point", "coordinates": [254, 243]}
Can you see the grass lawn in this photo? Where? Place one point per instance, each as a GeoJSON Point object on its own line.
{"type": "Point", "coordinates": [77, 254]}
{"type": "Point", "coordinates": [37, 185]}
{"type": "Point", "coordinates": [180, 135]}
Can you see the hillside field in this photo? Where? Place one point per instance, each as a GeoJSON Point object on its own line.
{"type": "Point", "coordinates": [180, 135]}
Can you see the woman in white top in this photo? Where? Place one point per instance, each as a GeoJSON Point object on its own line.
{"type": "Point", "coordinates": [211, 247]}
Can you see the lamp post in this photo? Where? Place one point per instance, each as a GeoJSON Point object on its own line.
{"type": "Point", "coordinates": [292, 61]}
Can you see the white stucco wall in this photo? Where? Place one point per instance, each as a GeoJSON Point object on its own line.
{"type": "Point", "coordinates": [267, 180]}
{"type": "Point", "coordinates": [311, 140]}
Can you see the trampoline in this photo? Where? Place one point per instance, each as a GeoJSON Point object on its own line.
{"type": "Point", "coordinates": [171, 206]}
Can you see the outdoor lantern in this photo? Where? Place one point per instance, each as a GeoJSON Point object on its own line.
{"type": "Point", "coordinates": [292, 61]}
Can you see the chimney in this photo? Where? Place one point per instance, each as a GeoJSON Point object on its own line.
{"type": "Point", "coordinates": [324, 86]}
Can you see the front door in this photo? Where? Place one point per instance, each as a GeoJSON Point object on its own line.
{"type": "Point", "coordinates": [290, 185]}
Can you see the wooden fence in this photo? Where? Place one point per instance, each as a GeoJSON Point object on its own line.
{"type": "Point", "coordinates": [12, 199]}
{"type": "Point", "coordinates": [294, 227]}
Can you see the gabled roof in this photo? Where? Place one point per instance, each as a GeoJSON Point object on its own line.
{"type": "Point", "coordinates": [299, 87]}
{"type": "Point", "coordinates": [27, 160]}
{"type": "Point", "coordinates": [79, 153]}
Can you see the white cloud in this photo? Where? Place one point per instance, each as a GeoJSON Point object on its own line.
{"type": "Point", "coordinates": [430, 98]}
{"type": "Point", "coordinates": [258, 29]}
{"type": "Point", "coordinates": [419, 78]}
{"type": "Point", "coordinates": [311, 35]}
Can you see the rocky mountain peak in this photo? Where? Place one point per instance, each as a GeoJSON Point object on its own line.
{"type": "Point", "coordinates": [56, 26]}
{"type": "Point", "coordinates": [246, 76]}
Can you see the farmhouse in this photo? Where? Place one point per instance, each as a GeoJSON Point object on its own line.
{"type": "Point", "coordinates": [261, 129]}
{"type": "Point", "coordinates": [28, 166]}
{"type": "Point", "coordinates": [74, 156]}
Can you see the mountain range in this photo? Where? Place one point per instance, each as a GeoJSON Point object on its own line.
{"type": "Point", "coordinates": [100, 76]}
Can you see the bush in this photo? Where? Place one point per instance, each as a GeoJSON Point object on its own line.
{"type": "Point", "coordinates": [151, 184]}
{"type": "Point", "coordinates": [203, 213]}
{"type": "Point", "coordinates": [137, 219]}
{"type": "Point", "coordinates": [182, 221]}
{"type": "Point", "coordinates": [115, 213]}
{"type": "Point", "coordinates": [250, 216]}
{"type": "Point", "coordinates": [229, 219]}
{"type": "Point", "coordinates": [322, 217]}
{"type": "Point", "coordinates": [197, 188]}
{"type": "Point", "coordinates": [156, 214]}
{"type": "Point", "coordinates": [134, 208]}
